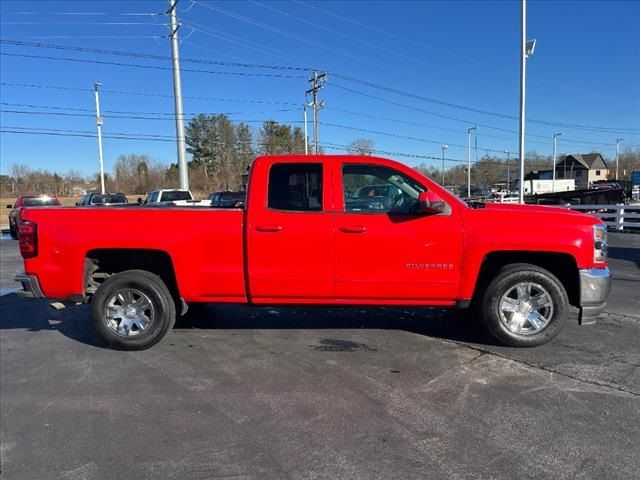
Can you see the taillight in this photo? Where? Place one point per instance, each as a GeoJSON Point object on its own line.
{"type": "Point", "coordinates": [28, 239]}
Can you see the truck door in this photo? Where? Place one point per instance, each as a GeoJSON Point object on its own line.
{"type": "Point", "coordinates": [385, 250]}
{"type": "Point", "coordinates": [290, 232]}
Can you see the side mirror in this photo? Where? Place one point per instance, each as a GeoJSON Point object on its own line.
{"type": "Point", "coordinates": [430, 203]}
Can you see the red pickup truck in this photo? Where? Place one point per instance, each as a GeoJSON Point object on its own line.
{"type": "Point", "coordinates": [314, 233]}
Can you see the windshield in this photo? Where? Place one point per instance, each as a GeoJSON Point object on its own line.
{"type": "Point", "coordinates": [38, 202]}
{"type": "Point", "coordinates": [174, 196]}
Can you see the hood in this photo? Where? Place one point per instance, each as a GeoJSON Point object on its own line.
{"type": "Point", "coordinates": [540, 214]}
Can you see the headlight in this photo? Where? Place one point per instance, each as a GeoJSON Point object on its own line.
{"type": "Point", "coordinates": [599, 243]}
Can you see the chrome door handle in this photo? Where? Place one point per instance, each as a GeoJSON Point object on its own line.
{"type": "Point", "coordinates": [353, 229]}
{"type": "Point", "coordinates": [269, 228]}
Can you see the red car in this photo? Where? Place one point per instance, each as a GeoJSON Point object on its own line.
{"type": "Point", "coordinates": [301, 241]}
{"type": "Point", "coordinates": [27, 201]}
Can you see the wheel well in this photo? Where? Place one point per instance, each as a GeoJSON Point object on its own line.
{"type": "Point", "coordinates": [100, 264]}
{"type": "Point", "coordinates": [562, 265]}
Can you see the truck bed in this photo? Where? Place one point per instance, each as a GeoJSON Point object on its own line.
{"type": "Point", "coordinates": [205, 246]}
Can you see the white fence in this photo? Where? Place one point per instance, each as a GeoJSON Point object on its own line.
{"type": "Point", "coordinates": [616, 217]}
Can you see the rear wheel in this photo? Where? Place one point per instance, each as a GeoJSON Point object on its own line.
{"type": "Point", "coordinates": [524, 306]}
{"type": "Point", "coordinates": [133, 310]}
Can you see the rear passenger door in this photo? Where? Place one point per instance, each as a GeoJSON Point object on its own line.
{"type": "Point", "coordinates": [290, 232]}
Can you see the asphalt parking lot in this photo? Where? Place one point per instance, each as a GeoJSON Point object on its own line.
{"type": "Point", "coordinates": [320, 393]}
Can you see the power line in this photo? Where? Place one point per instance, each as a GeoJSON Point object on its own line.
{"type": "Point", "coordinates": [428, 112]}
{"type": "Point", "coordinates": [148, 55]}
{"type": "Point", "coordinates": [340, 34]}
{"type": "Point", "coordinates": [477, 110]}
{"type": "Point", "coordinates": [441, 51]}
{"type": "Point", "coordinates": [399, 37]}
{"type": "Point", "coordinates": [288, 34]}
{"type": "Point", "coordinates": [153, 67]}
{"type": "Point", "coordinates": [458, 131]}
{"type": "Point", "coordinates": [147, 94]}
{"type": "Point", "coordinates": [337, 75]}
{"type": "Point", "coordinates": [335, 146]}
{"type": "Point", "coordinates": [129, 112]}
{"type": "Point", "coordinates": [227, 37]}
{"type": "Point", "coordinates": [85, 131]}
{"type": "Point", "coordinates": [125, 117]}
{"type": "Point", "coordinates": [122, 14]}
{"type": "Point", "coordinates": [86, 23]}
{"type": "Point", "coordinates": [398, 135]}
{"type": "Point", "coordinates": [84, 135]}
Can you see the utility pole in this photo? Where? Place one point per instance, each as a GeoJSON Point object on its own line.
{"type": "Point", "coordinates": [99, 122]}
{"type": "Point", "coordinates": [618, 140]}
{"type": "Point", "coordinates": [526, 49]}
{"type": "Point", "coordinates": [553, 183]}
{"type": "Point", "coordinates": [444, 147]}
{"type": "Point", "coordinates": [317, 81]}
{"type": "Point", "coordinates": [469, 130]}
{"type": "Point", "coordinates": [177, 97]}
{"type": "Point", "coordinates": [508, 172]}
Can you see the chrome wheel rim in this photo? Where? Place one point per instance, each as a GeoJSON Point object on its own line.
{"type": "Point", "coordinates": [129, 312]}
{"type": "Point", "coordinates": [526, 308]}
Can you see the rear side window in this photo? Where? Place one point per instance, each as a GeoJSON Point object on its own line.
{"type": "Point", "coordinates": [38, 202]}
{"type": "Point", "coordinates": [296, 187]}
{"type": "Point", "coordinates": [174, 196]}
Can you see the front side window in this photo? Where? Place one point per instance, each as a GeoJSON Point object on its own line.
{"type": "Point", "coordinates": [377, 189]}
{"type": "Point", "coordinates": [295, 187]}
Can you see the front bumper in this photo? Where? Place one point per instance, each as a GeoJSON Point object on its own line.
{"type": "Point", "coordinates": [595, 285]}
{"type": "Point", "coordinates": [30, 286]}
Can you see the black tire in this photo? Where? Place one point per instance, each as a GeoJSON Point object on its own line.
{"type": "Point", "coordinates": [505, 281]}
{"type": "Point", "coordinates": [162, 316]}
{"type": "Point", "coordinates": [13, 231]}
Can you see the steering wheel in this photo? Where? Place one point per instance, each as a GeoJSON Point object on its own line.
{"type": "Point", "coordinates": [397, 204]}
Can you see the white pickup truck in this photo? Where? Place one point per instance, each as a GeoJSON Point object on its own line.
{"type": "Point", "coordinates": [180, 198]}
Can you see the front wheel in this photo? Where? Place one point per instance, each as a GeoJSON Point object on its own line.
{"type": "Point", "coordinates": [524, 306]}
{"type": "Point", "coordinates": [133, 310]}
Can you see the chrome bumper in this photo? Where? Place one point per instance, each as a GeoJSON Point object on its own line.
{"type": "Point", "coordinates": [30, 286]}
{"type": "Point", "coordinates": [595, 285]}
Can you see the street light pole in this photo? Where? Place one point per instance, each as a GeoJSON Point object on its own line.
{"type": "Point", "coordinates": [99, 122]}
{"type": "Point", "coordinates": [553, 183]}
{"type": "Point", "coordinates": [618, 140]}
{"type": "Point", "coordinates": [469, 130]}
{"type": "Point", "coordinates": [444, 147]}
{"type": "Point", "coordinates": [526, 49]}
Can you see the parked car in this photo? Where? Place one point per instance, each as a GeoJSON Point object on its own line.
{"type": "Point", "coordinates": [27, 201]}
{"type": "Point", "coordinates": [297, 242]}
{"type": "Point", "coordinates": [95, 198]}
{"type": "Point", "coordinates": [175, 197]}
{"type": "Point", "coordinates": [228, 199]}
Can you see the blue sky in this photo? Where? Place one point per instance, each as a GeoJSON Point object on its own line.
{"type": "Point", "coordinates": [585, 72]}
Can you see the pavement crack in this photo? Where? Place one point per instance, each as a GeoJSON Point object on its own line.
{"type": "Point", "coordinates": [544, 368]}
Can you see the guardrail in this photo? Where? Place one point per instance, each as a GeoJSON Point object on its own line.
{"type": "Point", "coordinates": [616, 217]}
